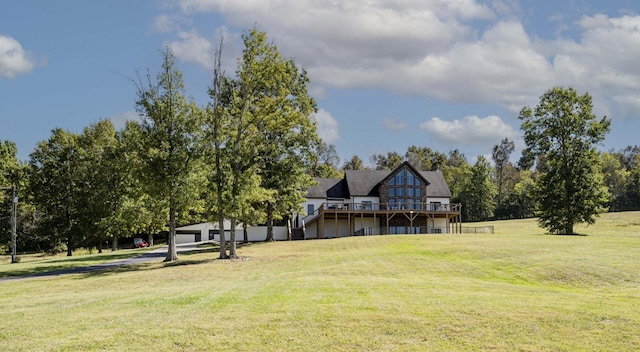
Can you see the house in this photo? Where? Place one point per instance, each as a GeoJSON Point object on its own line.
{"type": "Point", "coordinates": [372, 202]}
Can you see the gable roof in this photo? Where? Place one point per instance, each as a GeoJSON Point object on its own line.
{"type": "Point", "coordinates": [437, 185]}
{"type": "Point", "coordinates": [328, 188]}
{"type": "Point", "coordinates": [364, 183]}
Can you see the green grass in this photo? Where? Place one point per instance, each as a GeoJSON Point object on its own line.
{"type": "Point", "coordinates": [516, 290]}
{"type": "Point", "coordinates": [31, 264]}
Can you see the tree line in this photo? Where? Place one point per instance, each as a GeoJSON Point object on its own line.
{"type": "Point", "coordinates": [242, 157]}
{"type": "Point", "coordinates": [561, 176]}
{"type": "Point", "coordinates": [250, 154]}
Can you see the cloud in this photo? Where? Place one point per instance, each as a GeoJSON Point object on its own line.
{"type": "Point", "coordinates": [166, 23]}
{"type": "Point", "coordinates": [467, 51]}
{"type": "Point", "coordinates": [472, 130]}
{"type": "Point", "coordinates": [192, 47]}
{"type": "Point", "coordinates": [327, 126]}
{"type": "Point", "coordinates": [393, 124]}
{"type": "Point", "coordinates": [14, 60]}
{"type": "Point", "coordinates": [120, 120]}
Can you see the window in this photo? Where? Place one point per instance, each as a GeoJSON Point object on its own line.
{"type": "Point", "coordinates": [404, 191]}
{"type": "Point", "coordinates": [310, 209]}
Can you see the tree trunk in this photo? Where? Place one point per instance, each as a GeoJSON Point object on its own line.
{"type": "Point", "coordinates": [172, 254]}
{"type": "Point", "coordinates": [232, 240]}
{"type": "Point", "coordinates": [150, 240]}
{"type": "Point", "coordinates": [99, 246]}
{"type": "Point", "coordinates": [223, 245]}
{"type": "Point", "coordinates": [245, 233]}
{"type": "Point", "coordinates": [269, 223]}
{"type": "Point", "coordinates": [568, 228]}
{"type": "Point", "coordinates": [69, 251]}
{"type": "Point", "coordinates": [114, 244]}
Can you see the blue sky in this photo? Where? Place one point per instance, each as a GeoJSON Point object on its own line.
{"type": "Point", "coordinates": [444, 74]}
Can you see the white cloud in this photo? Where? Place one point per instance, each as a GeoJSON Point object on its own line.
{"type": "Point", "coordinates": [120, 120]}
{"type": "Point", "coordinates": [472, 130]}
{"type": "Point", "coordinates": [192, 47]}
{"type": "Point", "coordinates": [436, 48]}
{"type": "Point", "coordinates": [393, 124]}
{"type": "Point", "coordinates": [327, 126]}
{"type": "Point", "coordinates": [14, 60]}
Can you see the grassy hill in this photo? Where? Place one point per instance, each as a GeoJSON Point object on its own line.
{"type": "Point", "coordinates": [517, 289]}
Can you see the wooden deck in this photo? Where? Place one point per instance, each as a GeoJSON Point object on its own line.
{"type": "Point", "coordinates": [412, 216]}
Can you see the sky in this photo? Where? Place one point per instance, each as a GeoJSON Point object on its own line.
{"type": "Point", "coordinates": [443, 74]}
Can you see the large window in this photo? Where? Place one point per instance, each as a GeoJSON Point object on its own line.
{"type": "Point", "coordinates": [404, 191]}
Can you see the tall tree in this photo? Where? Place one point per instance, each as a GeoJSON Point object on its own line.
{"type": "Point", "coordinates": [503, 169]}
{"type": "Point", "coordinates": [10, 176]}
{"type": "Point", "coordinates": [564, 130]}
{"type": "Point", "coordinates": [217, 129]}
{"type": "Point", "coordinates": [478, 192]}
{"type": "Point", "coordinates": [171, 131]}
{"type": "Point", "coordinates": [57, 185]}
{"type": "Point", "coordinates": [282, 111]}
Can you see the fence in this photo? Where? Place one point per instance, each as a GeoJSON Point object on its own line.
{"type": "Point", "coordinates": [477, 229]}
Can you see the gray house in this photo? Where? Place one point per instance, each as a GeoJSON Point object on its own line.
{"type": "Point", "coordinates": [401, 201]}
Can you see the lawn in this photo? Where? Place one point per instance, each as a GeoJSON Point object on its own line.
{"type": "Point", "coordinates": [39, 263]}
{"type": "Point", "coordinates": [515, 290]}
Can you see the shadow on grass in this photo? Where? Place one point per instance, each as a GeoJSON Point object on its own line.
{"type": "Point", "coordinates": [96, 257]}
{"type": "Point", "coordinates": [566, 234]}
{"type": "Point", "coordinates": [123, 263]}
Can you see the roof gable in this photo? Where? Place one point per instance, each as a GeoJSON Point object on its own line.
{"type": "Point", "coordinates": [411, 168]}
{"type": "Point", "coordinates": [365, 183]}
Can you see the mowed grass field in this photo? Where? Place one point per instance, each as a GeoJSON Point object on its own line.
{"type": "Point", "coordinates": [515, 290]}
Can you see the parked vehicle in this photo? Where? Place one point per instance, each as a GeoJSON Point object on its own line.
{"type": "Point", "coordinates": [140, 243]}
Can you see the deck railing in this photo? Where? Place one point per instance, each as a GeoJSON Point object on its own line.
{"type": "Point", "coordinates": [367, 207]}
{"type": "Point", "coordinates": [371, 207]}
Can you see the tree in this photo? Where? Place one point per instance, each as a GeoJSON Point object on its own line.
{"type": "Point", "coordinates": [282, 109]}
{"type": "Point", "coordinates": [424, 158]}
{"type": "Point", "coordinates": [57, 184]}
{"type": "Point", "coordinates": [521, 201]}
{"type": "Point", "coordinates": [387, 162]}
{"type": "Point", "coordinates": [456, 173]}
{"type": "Point", "coordinates": [171, 131]}
{"type": "Point", "coordinates": [262, 135]}
{"type": "Point", "coordinates": [505, 177]}
{"type": "Point", "coordinates": [355, 163]}
{"type": "Point", "coordinates": [500, 155]}
{"type": "Point", "coordinates": [325, 161]}
{"type": "Point", "coordinates": [564, 130]}
{"type": "Point", "coordinates": [616, 177]}
{"type": "Point", "coordinates": [11, 171]}
{"type": "Point", "coordinates": [478, 192]}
